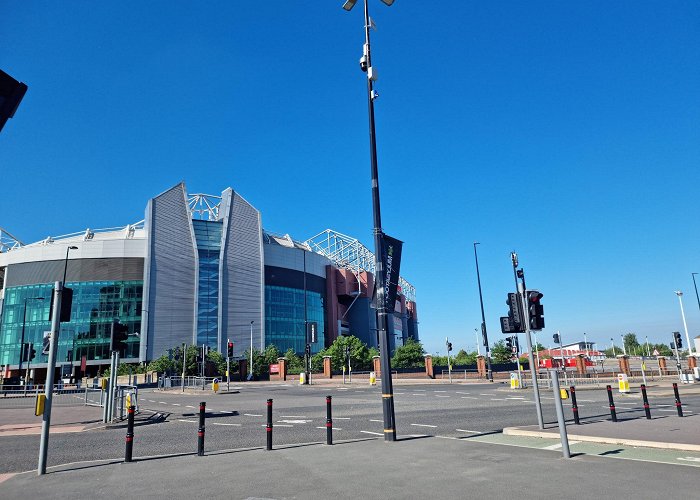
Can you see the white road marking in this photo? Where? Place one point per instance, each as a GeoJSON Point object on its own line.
{"type": "Point", "coordinates": [341, 418]}
{"type": "Point", "coordinates": [278, 425]}
{"type": "Point", "coordinates": [162, 402]}
{"type": "Point", "coordinates": [485, 394]}
{"type": "Point", "coordinates": [425, 425]}
{"type": "Point", "coordinates": [252, 415]}
{"type": "Point", "coordinates": [221, 423]}
{"type": "Point", "coordinates": [439, 391]}
{"type": "Point", "coordinates": [419, 390]}
{"type": "Point", "coordinates": [469, 397]}
{"type": "Point", "coordinates": [418, 394]}
{"type": "Point", "coordinates": [497, 399]}
{"type": "Point", "coordinates": [189, 406]}
{"type": "Point", "coordinates": [460, 392]}
{"type": "Point", "coordinates": [441, 396]}
{"type": "Point", "coordinates": [374, 433]}
{"type": "Point", "coordinates": [468, 431]}
{"type": "Point", "coordinates": [291, 421]}
{"type": "Point", "coordinates": [689, 459]}
{"type": "Point", "coordinates": [516, 397]}
{"type": "Point", "coordinates": [399, 393]}
{"type": "Point", "coordinates": [225, 411]}
{"type": "Point", "coordinates": [558, 445]}
{"type": "Point", "coordinates": [334, 428]}
{"type": "Point", "coordinates": [586, 400]}
{"type": "Point", "coordinates": [176, 404]}
{"type": "Point", "coordinates": [293, 416]}
{"type": "Point", "coordinates": [185, 420]}
{"type": "Point", "coordinates": [375, 420]}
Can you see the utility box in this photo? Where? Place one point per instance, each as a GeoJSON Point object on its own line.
{"type": "Point", "coordinates": [623, 384]}
{"type": "Point", "coordinates": [515, 382]}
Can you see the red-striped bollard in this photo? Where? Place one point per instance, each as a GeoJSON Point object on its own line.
{"type": "Point", "coordinates": [269, 424]}
{"type": "Point", "coordinates": [612, 404]}
{"type": "Point", "coordinates": [574, 406]}
{"type": "Point", "coordinates": [200, 431]}
{"type": "Point", "coordinates": [647, 412]}
{"type": "Point", "coordinates": [129, 434]}
{"type": "Point", "coordinates": [679, 406]}
{"type": "Point", "coordinates": [329, 421]}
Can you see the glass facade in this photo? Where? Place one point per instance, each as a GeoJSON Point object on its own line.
{"type": "Point", "coordinates": [208, 236]}
{"type": "Point", "coordinates": [284, 318]}
{"type": "Point", "coordinates": [95, 305]}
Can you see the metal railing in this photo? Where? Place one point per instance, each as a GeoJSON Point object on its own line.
{"type": "Point", "coordinates": [201, 383]}
{"type": "Point", "coordinates": [461, 374]}
{"type": "Point", "coordinates": [19, 396]}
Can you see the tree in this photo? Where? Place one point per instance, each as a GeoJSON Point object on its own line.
{"type": "Point", "coordinates": [409, 355]}
{"type": "Point", "coordinates": [465, 358]}
{"type": "Point", "coordinates": [500, 353]}
{"type": "Point", "coordinates": [359, 353]}
{"type": "Point", "coordinates": [631, 342]}
{"type": "Point", "coordinates": [161, 365]}
{"type": "Point", "coordinates": [295, 364]}
{"type": "Point", "coordinates": [219, 362]}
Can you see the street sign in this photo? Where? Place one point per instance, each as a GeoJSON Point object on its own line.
{"type": "Point", "coordinates": [656, 352]}
{"type": "Point", "coordinates": [46, 345]}
{"type": "Point", "coordinates": [313, 331]}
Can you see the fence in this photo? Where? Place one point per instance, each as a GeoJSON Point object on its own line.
{"type": "Point", "coordinates": [201, 383]}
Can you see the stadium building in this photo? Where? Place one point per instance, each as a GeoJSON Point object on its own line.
{"type": "Point", "coordinates": [199, 269]}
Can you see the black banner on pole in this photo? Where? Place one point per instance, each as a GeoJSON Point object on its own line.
{"type": "Point", "coordinates": [391, 260]}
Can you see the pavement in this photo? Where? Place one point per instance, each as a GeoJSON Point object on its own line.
{"type": "Point", "coordinates": [412, 467]}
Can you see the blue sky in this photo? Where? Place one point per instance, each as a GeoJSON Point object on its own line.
{"type": "Point", "coordinates": [568, 132]}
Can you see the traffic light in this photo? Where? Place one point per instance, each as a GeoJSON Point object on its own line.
{"type": "Point", "coordinates": [513, 323]}
{"type": "Point", "coordinates": [66, 305]}
{"type": "Point", "coordinates": [11, 94]}
{"type": "Point", "coordinates": [307, 350]}
{"type": "Point", "coordinates": [535, 309]}
{"type": "Point", "coordinates": [556, 338]}
{"type": "Point", "coordinates": [229, 349]}
{"type": "Point", "coordinates": [517, 346]}
{"type": "Point", "coordinates": [449, 346]}
{"type": "Point", "coordinates": [677, 339]}
{"type": "Point", "coordinates": [117, 337]}
{"type": "Point", "coordinates": [509, 343]}
{"type": "Point", "coordinates": [31, 352]}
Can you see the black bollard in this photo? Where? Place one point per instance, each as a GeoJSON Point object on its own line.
{"type": "Point", "coordinates": [679, 406]}
{"type": "Point", "coordinates": [612, 403]}
{"type": "Point", "coordinates": [129, 434]}
{"type": "Point", "coordinates": [269, 424]}
{"type": "Point", "coordinates": [646, 402]}
{"type": "Point", "coordinates": [200, 431]}
{"type": "Point", "coordinates": [329, 421]}
{"type": "Point", "coordinates": [574, 406]}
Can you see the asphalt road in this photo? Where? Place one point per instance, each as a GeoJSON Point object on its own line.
{"type": "Point", "coordinates": [168, 421]}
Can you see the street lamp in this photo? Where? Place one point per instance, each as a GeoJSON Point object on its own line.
{"type": "Point", "coordinates": [612, 343]}
{"type": "Point", "coordinates": [24, 321]}
{"type": "Point", "coordinates": [685, 325]}
{"type": "Point", "coordinates": [483, 318]}
{"type": "Point", "coordinates": [250, 368]}
{"type": "Point", "coordinates": [696, 289]}
{"type": "Point", "coordinates": [385, 361]}
{"type": "Point", "coordinates": [65, 263]}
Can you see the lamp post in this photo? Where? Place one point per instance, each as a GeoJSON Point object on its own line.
{"type": "Point", "coordinates": [612, 343]}
{"type": "Point", "coordinates": [585, 343]}
{"type": "Point", "coordinates": [685, 325]}
{"type": "Point", "coordinates": [478, 344]}
{"type": "Point", "coordinates": [646, 339]}
{"type": "Point", "coordinates": [483, 318]}
{"type": "Point", "coordinates": [65, 263]}
{"type": "Point", "coordinates": [385, 361]}
{"type": "Point", "coordinates": [696, 289]}
{"type": "Point", "coordinates": [250, 368]}
{"type": "Point", "coordinates": [624, 348]}
{"type": "Point", "coordinates": [24, 321]}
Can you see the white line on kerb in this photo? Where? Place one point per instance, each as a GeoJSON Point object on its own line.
{"type": "Point", "coordinates": [425, 425]}
{"type": "Point", "coordinates": [373, 433]}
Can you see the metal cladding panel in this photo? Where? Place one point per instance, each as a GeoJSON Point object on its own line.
{"type": "Point", "coordinates": [242, 276]}
{"type": "Point", "coordinates": [171, 273]}
{"type": "Point", "coordinates": [31, 273]}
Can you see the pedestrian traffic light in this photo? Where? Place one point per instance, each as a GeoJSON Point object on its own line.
{"type": "Point", "coordinates": [509, 344]}
{"type": "Point", "coordinates": [307, 350]}
{"type": "Point", "coordinates": [535, 309]}
{"type": "Point", "coordinates": [517, 346]}
{"type": "Point", "coordinates": [31, 352]}
{"type": "Point", "coordinates": [117, 338]}
{"type": "Point", "coordinates": [229, 349]}
{"type": "Point", "coordinates": [677, 339]}
{"type": "Point", "coordinates": [66, 305]}
{"type": "Point", "coordinates": [556, 338]}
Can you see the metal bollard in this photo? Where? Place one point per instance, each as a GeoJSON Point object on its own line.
{"type": "Point", "coordinates": [129, 434]}
{"type": "Point", "coordinates": [329, 421]}
{"type": "Point", "coordinates": [646, 401]}
{"type": "Point", "coordinates": [269, 424]}
{"type": "Point", "coordinates": [574, 406]}
{"type": "Point", "coordinates": [200, 431]}
{"type": "Point", "coordinates": [612, 404]}
{"type": "Point", "coordinates": [679, 406]}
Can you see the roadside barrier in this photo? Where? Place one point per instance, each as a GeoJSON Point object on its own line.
{"type": "Point", "coordinates": [679, 406]}
{"type": "Point", "coordinates": [201, 430]}
{"type": "Point", "coordinates": [647, 412]}
{"type": "Point", "coordinates": [574, 405]}
{"type": "Point", "coordinates": [329, 421]}
{"type": "Point", "coordinates": [613, 415]}
{"type": "Point", "coordinates": [129, 435]}
{"type": "Point", "coordinates": [269, 424]}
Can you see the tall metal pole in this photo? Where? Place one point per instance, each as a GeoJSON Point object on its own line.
{"type": "Point", "coordinates": [478, 344]}
{"type": "Point", "coordinates": [696, 290]}
{"type": "Point", "coordinates": [685, 325]}
{"type": "Point", "coordinates": [483, 317]}
{"type": "Point", "coordinates": [50, 372]}
{"type": "Point", "coordinates": [250, 369]}
{"type": "Point", "coordinates": [184, 364]}
{"type": "Point", "coordinates": [385, 360]}
{"type": "Point", "coordinates": [624, 347]}
{"type": "Point", "coordinates": [21, 343]}
{"type": "Point", "coordinates": [307, 346]}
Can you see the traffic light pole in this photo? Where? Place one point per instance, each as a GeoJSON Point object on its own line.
{"type": "Point", "coordinates": [531, 358]}
{"type": "Point", "coordinates": [50, 372]}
